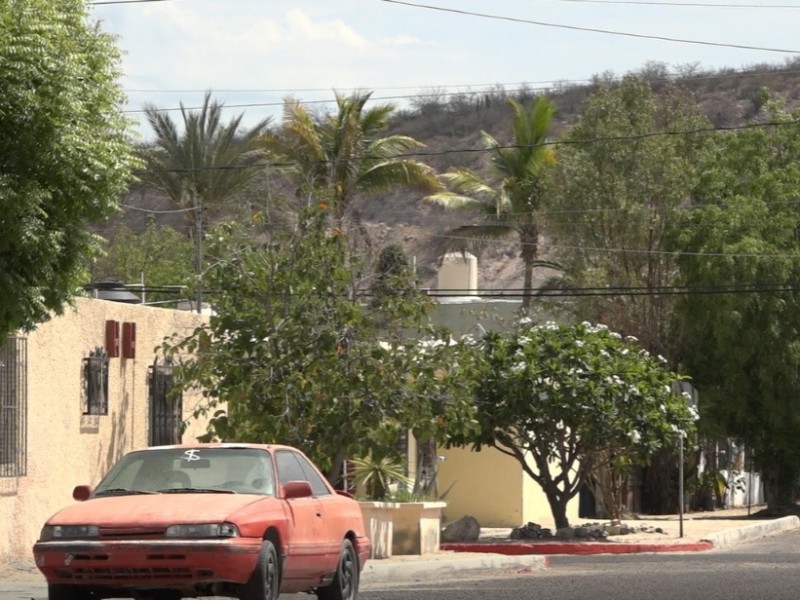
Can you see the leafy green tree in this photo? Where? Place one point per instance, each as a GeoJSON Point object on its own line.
{"type": "Point", "coordinates": [64, 153]}
{"type": "Point", "coordinates": [624, 171]}
{"type": "Point", "coordinates": [567, 401]}
{"type": "Point", "coordinates": [510, 205]}
{"type": "Point", "coordinates": [339, 156]}
{"type": "Point", "coordinates": [394, 281]}
{"type": "Point", "coordinates": [159, 257]}
{"type": "Point", "coordinates": [293, 355]}
{"type": "Point", "coordinates": [739, 249]}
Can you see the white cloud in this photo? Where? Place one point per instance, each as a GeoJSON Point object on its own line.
{"type": "Point", "coordinates": [347, 44]}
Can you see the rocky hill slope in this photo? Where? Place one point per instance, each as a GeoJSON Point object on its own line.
{"type": "Point", "coordinates": [450, 127]}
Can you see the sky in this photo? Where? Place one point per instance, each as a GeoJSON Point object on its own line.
{"type": "Point", "coordinates": [252, 54]}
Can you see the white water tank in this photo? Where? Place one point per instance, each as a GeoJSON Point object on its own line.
{"type": "Point", "coordinates": [458, 275]}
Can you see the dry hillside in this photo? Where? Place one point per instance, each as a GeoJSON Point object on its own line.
{"type": "Point", "coordinates": [450, 128]}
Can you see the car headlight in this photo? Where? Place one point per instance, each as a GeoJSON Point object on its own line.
{"type": "Point", "coordinates": [203, 530]}
{"type": "Point", "coordinates": [68, 532]}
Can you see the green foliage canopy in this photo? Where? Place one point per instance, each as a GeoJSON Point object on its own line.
{"type": "Point", "coordinates": [64, 153]}
{"type": "Point", "coordinates": [617, 186]}
{"type": "Point", "coordinates": [571, 399]}
{"type": "Point", "coordinates": [159, 256]}
{"type": "Point", "coordinates": [294, 355]}
{"type": "Point", "coordinates": [740, 237]}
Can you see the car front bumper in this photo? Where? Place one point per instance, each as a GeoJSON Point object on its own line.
{"type": "Point", "coordinates": [147, 563]}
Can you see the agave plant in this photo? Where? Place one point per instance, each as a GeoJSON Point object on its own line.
{"type": "Point", "coordinates": [374, 475]}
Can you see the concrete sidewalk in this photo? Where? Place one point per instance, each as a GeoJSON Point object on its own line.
{"type": "Point", "coordinates": [495, 551]}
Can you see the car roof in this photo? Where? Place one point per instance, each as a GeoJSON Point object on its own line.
{"type": "Point", "coordinates": [205, 445]}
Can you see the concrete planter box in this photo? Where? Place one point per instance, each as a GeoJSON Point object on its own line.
{"type": "Point", "coordinates": [378, 523]}
{"type": "Point", "coordinates": [402, 527]}
{"type": "Point", "coordinates": [417, 527]}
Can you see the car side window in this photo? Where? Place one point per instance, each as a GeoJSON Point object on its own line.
{"type": "Point", "coordinates": [294, 467]}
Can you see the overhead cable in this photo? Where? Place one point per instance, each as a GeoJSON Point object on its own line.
{"type": "Point", "coordinates": [590, 29]}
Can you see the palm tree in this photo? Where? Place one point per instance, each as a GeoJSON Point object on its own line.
{"type": "Point", "coordinates": [510, 206]}
{"type": "Point", "coordinates": [205, 164]}
{"type": "Point", "coordinates": [202, 166]}
{"type": "Point", "coordinates": [334, 157]}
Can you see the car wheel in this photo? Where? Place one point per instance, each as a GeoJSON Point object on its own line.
{"type": "Point", "coordinates": [265, 581]}
{"type": "Point", "coordinates": [64, 592]}
{"type": "Point", "coordinates": [345, 582]}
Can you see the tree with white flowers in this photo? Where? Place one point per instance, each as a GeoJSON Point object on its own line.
{"type": "Point", "coordinates": [570, 402]}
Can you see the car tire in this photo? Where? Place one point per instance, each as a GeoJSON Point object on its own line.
{"type": "Point", "coordinates": [264, 583]}
{"type": "Point", "coordinates": [345, 582]}
{"type": "Point", "coordinates": [64, 592]}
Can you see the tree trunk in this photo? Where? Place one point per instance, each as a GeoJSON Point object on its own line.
{"type": "Point", "coordinates": [558, 506]}
{"type": "Point", "coordinates": [529, 238]}
{"type": "Point", "coordinates": [779, 489]}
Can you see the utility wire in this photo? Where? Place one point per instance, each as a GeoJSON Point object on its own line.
{"type": "Point", "coordinates": [479, 220]}
{"type": "Point", "coordinates": [648, 252]}
{"type": "Point", "coordinates": [423, 153]}
{"type": "Point", "coordinates": [683, 4]}
{"type": "Point", "coordinates": [465, 89]}
{"type": "Point", "coordinates": [620, 291]}
{"type": "Point", "coordinates": [522, 89]}
{"type": "Point", "coordinates": [589, 29]}
{"type": "Point", "coordinates": [161, 212]}
{"type": "Point", "coordinates": [102, 2]}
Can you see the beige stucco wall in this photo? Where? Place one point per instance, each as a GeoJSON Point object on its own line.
{"type": "Point", "coordinates": [64, 447]}
{"type": "Point", "coordinates": [493, 488]}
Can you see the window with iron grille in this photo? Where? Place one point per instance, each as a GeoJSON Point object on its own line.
{"type": "Point", "coordinates": [166, 404]}
{"type": "Point", "coordinates": [14, 408]}
{"type": "Point", "coordinates": [95, 383]}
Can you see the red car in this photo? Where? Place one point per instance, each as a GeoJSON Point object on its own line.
{"type": "Point", "coordinates": [247, 521]}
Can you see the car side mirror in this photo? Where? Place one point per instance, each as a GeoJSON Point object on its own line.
{"type": "Point", "coordinates": [82, 492]}
{"type": "Point", "coordinates": [297, 489]}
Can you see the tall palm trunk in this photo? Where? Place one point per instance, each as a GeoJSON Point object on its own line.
{"type": "Point", "coordinates": [529, 239]}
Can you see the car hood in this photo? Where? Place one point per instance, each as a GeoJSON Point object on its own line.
{"type": "Point", "coordinates": [153, 510]}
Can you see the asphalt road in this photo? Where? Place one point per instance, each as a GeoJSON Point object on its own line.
{"type": "Point", "coordinates": [768, 568]}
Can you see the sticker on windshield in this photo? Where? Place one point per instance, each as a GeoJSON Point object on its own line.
{"type": "Point", "coordinates": [191, 455]}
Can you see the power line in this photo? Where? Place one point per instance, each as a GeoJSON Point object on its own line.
{"type": "Point", "coordinates": [433, 153]}
{"type": "Point", "coordinates": [101, 2]}
{"type": "Point", "coordinates": [648, 252]}
{"type": "Point", "coordinates": [328, 89]}
{"type": "Point", "coordinates": [756, 288]}
{"type": "Point", "coordinates": [423, 95]}
{"type": "Point", "coordinates": [161, 212]}
{"type": "Point", "coordinates": [540, 245]}
{"type": "Point", "coordinates": [467, 88]}
{"type": "Point", "coordinates": [683, 4]}
{"type": "Point", "coordinates": [589, 29]}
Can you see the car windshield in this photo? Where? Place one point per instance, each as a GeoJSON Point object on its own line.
{"type": "Point", "coordinates": [191, 470]}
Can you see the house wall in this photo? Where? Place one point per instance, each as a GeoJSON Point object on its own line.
{"type": "Point", "coordinates": [64, 447]}
{"type": "Point", "coordinates": [493, 488]}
